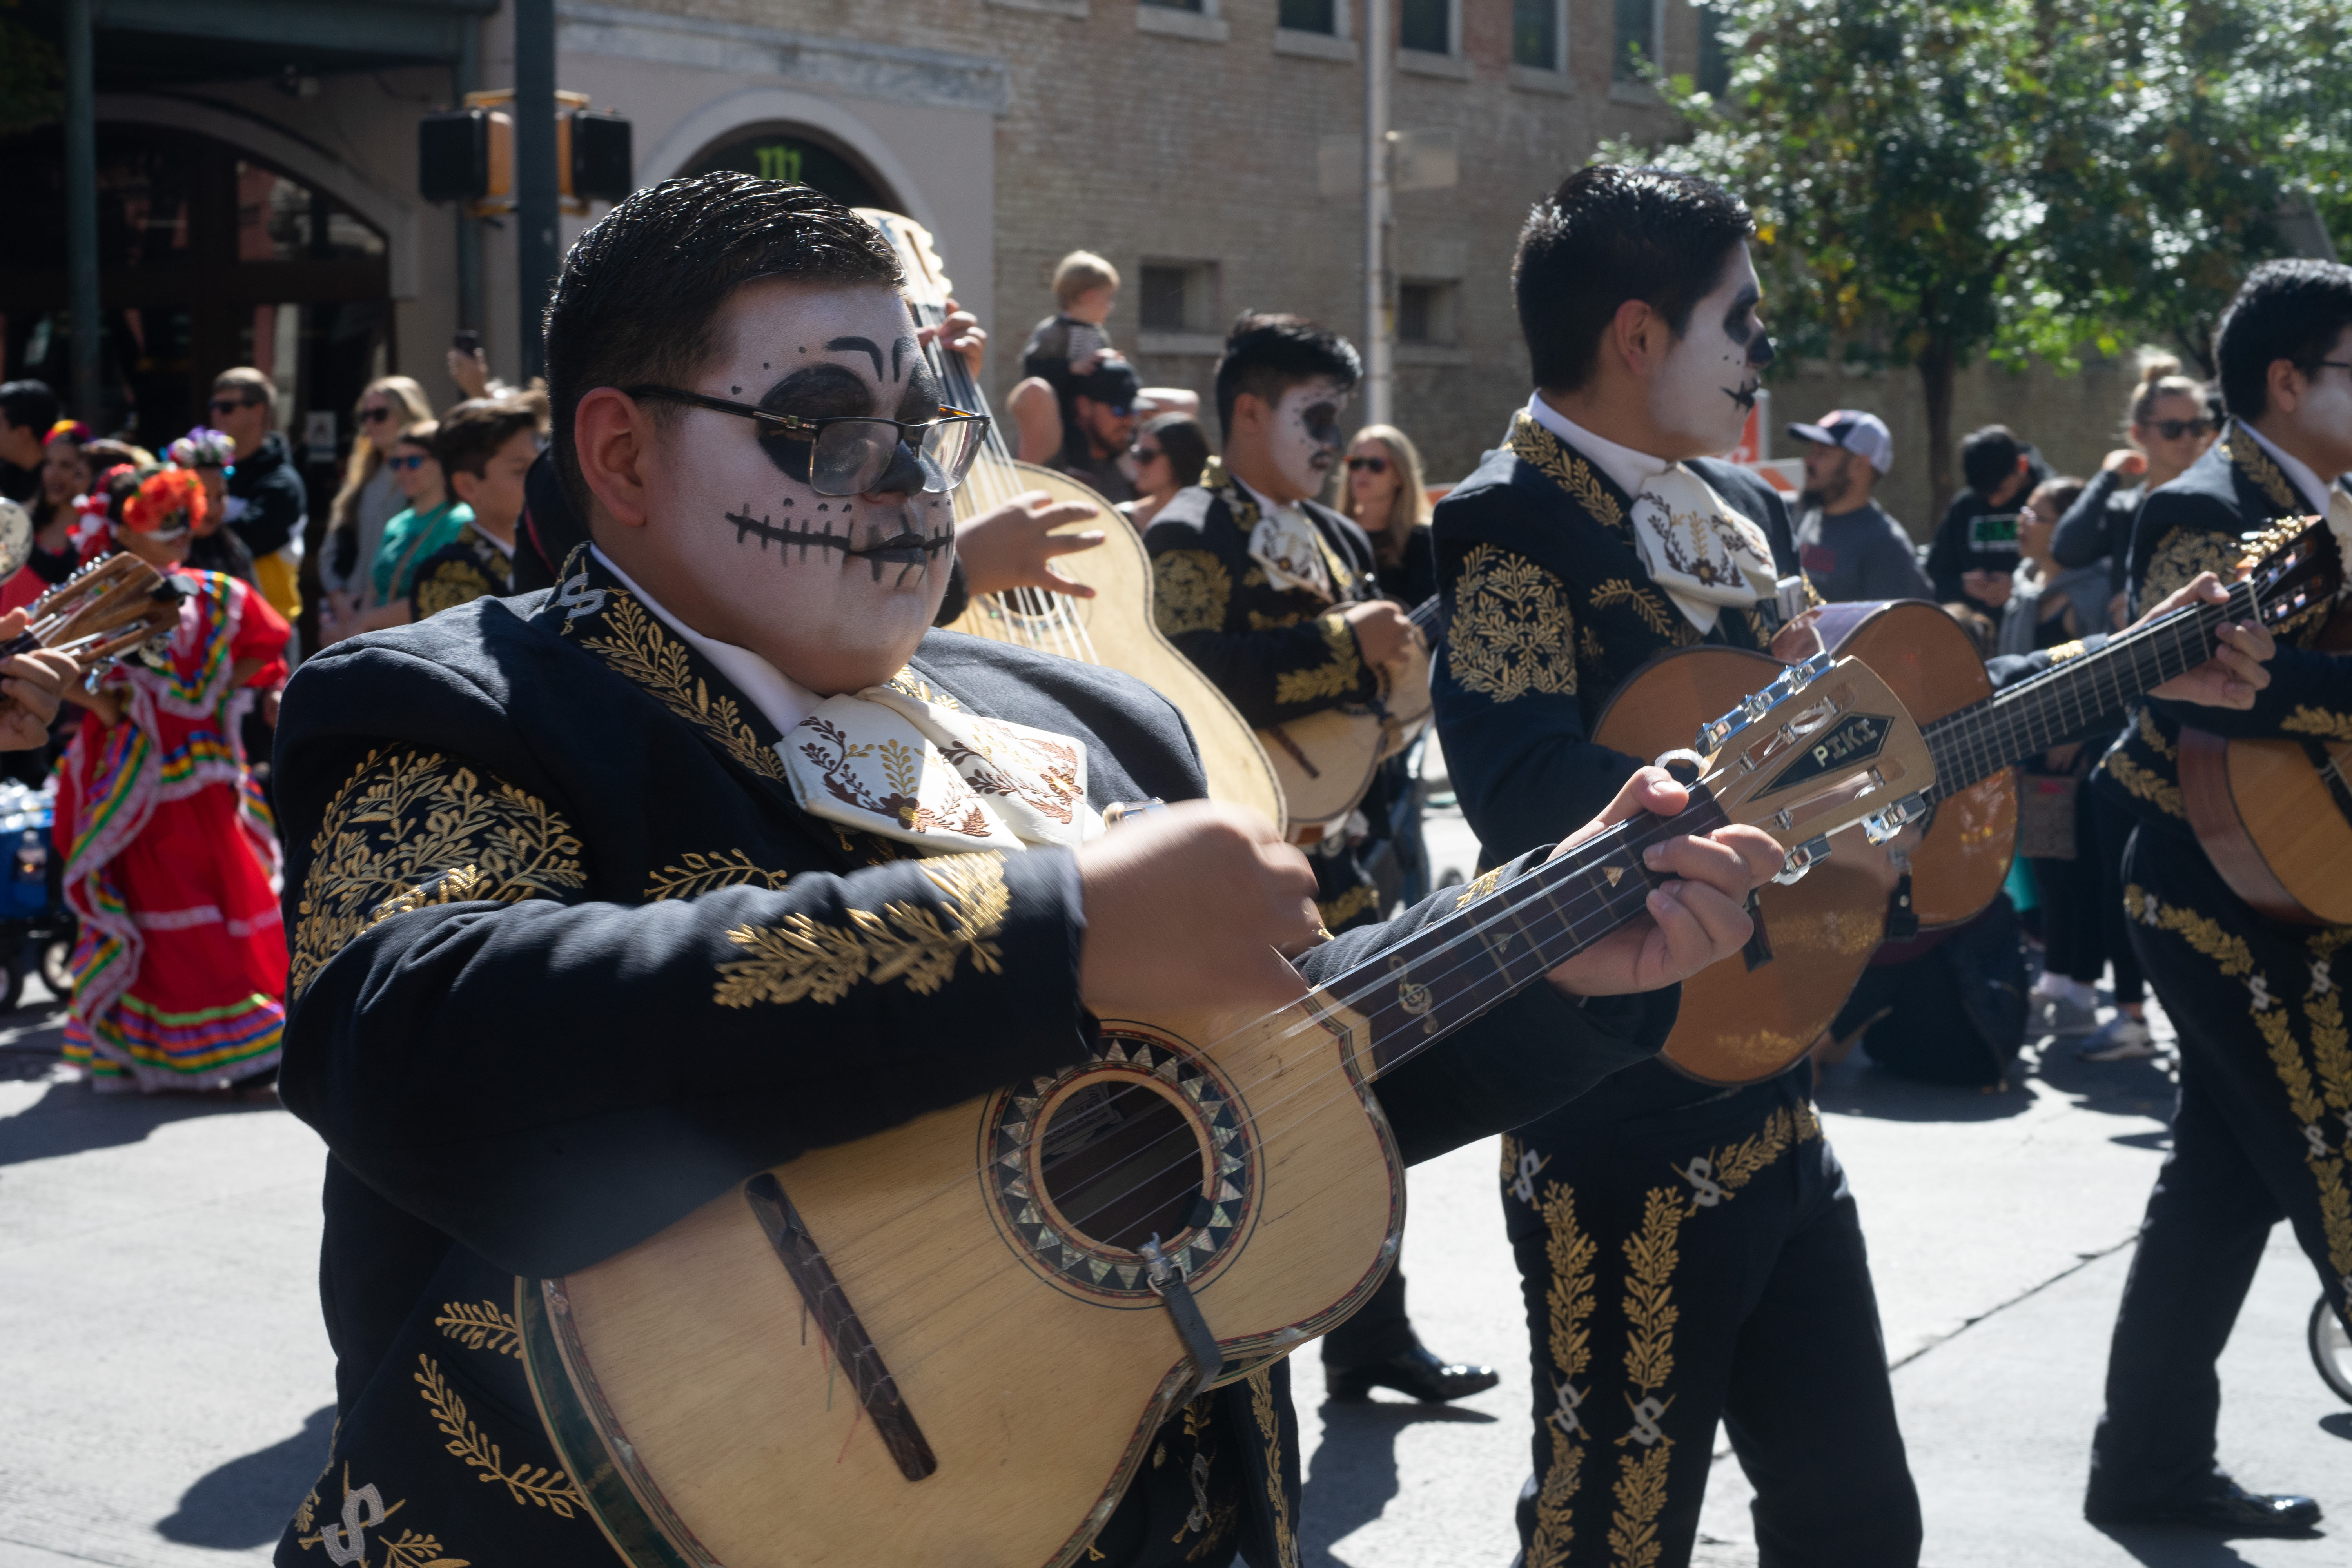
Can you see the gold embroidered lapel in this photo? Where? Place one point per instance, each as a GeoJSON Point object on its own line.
{"type": "Point", "coordinates": [1541, 450]}
{"type": "Point", "coordinates": [636, 646]}
{"type": "Point", "coordinates": [2268, 477]}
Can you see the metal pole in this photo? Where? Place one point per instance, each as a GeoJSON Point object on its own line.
{"type": "Point", "coordinates": [466, 76]}
{"type": "Point", "coordinates": [535, 175]}
{"type": "Point", "coordinates": [81, 211]}
{"type": "Point", "coordinates": [1377, 348]}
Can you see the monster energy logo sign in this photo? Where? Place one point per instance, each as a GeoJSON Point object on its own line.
{"type": "Point", "coordinates": [778, 162]}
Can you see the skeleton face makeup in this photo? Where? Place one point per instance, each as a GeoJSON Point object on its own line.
{"type": "Point", "coordinates": [1303, 441]}
{"type": "Point", "coordinates": [2323, 414]}
{"type": "Point", "coordinates": [1702, 392]}
{"type": "Point", "coordinates": [835, 590]}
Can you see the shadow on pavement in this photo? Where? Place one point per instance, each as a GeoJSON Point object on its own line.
{"type": "Point", "coordinates": [69, 1119]}
{"type": "Point", "coordinates": [1354, 1474]}
{"type": "Point", "coordinates": [2338, 1425]}
{"type": "Point", "coordinates": [247, 1503]}
{"type": "Point", "coordinates": [1860, 1086]}
{"type": "Point", "coordinates": [2161, 1548]}
{"type": "Point", "coordinates": [2142, 1088]}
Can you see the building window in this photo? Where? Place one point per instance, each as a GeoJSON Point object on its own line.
{"type": "Point", "coordinates": [1714, 74]}
{"type": "Point", "coordinates": [1178, 295]}
{"type": "Point", "coordinates": [1425, 310]}
{"type": "Point", "coordinates": [1309, 16]}
{"type": "Point", "coordinates": [1426, 26]}
{"type": "Point", "coordinates": [1537, 34]}
{"type": "Point", "coordinates": [1640, 25]}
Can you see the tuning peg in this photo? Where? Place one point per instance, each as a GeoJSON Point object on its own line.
{"type": "Point", "coordinates": [1880, 826]}
{"type": "Point", "coordinates": [1803, 858]}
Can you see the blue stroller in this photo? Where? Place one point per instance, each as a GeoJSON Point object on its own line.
{"type": "Point", "coordinates": [36, 927]}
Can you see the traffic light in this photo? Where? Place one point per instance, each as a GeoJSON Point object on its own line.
{"type": "Point", "coordinates": [467, 154]}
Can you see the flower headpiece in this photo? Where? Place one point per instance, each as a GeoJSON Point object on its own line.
{"type": "Point", "coordinates": [169, 501]}
{"type": "Point", "coordinates": [202, 447]}
{"type": "Point", "coordinates": [72, 430]}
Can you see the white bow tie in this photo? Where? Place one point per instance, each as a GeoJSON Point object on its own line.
{"type": "Point", "coordinates": [1702, 551]}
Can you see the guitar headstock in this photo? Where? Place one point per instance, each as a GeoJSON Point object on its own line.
{"type": "Point", "coordinates": [2292, 566]}
{"type": "Point", "coordinates": [926, 287]}
{"type": "Point", "coordinates": [107, 609]}
{"type": "Point", "coordinates": [1825, 746]}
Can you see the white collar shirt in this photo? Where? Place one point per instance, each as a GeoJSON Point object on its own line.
{"type": "Point", "coordinates": [782, 700]}
{"type": "Point", "coordinates": [2298, 473]}
{"type": "Point", "coordinates": [1628, 470]}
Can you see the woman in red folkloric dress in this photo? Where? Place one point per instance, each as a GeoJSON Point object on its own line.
{"type": "Point", "coordinates": [171, 858]}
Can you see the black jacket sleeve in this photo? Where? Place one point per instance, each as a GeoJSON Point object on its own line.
{"type": "Point", "coordinates": [272, 511]}
{"type": "Point", "coordinates": [1947, 557]}
{"type": "Point", "coordinates": [2081, 536]}
{"type": "Point", "coordinates": [1519, 1060]}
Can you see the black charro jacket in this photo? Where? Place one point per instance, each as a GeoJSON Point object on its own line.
{"type": "Point", "coordinates": [530, 845]}
{"type": "Point", "coordinates": [2197, 524]}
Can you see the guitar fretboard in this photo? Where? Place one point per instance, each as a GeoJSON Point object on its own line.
{"type": "Point", "coordinates": [1505, 938]}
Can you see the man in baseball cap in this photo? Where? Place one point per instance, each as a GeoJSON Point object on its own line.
{"type": "Point", "coordinates": [1102, 420]}
{"type": "Point", "coordinates": [1851, 549]}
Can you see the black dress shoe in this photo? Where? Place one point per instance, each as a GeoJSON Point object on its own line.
{"type": "Point", "coordinates": [2233, 1511]}
{"type": "Point", "coordinates": [1416, 1372]}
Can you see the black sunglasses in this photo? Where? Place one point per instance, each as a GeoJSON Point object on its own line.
{"type": "Point", "coordinates": [374, 415]}
{"type": "Point", "coordinates": [1143, 454]}
{"type": "Point", "coordinates": [231, 405]}
{"type": "Point", "coordinates": [2174, 429]}
{"type": "Point", "coordinates": [849, 454]}
{"type": "Point", "coordinates": [1368, 465]}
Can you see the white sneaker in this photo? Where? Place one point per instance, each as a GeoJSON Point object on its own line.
{"type": "Point", "coordinates": [2125, 1039]}
{"type": "Point", "coordinates": [2054, 1015]}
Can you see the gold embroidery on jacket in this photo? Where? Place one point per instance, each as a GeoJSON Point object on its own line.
{"type": "Point", "coordinates": [2139, 780]}
{"type": "Point", "coordinates": [1190, 590]}
{"type": "Point", "coordinates": [1717, 1176]}
{"type": "Point", "coordinates": [451, 583]}
{"type": "Point", "coordinates": [810, 958]}
{"type": "Point", "coordinates": [907, 683]}
{"type": "Point", "coordinates": [1335, 677]}
{"type": "Point", "coordinates": [2180, 555]}
{"type": "Point", "coordinates": [1269, 1426]}
{"type": "Point", "coordinates": [1652, 610]}
{"type": "Point", "coordinates": [1259, 621]}
{"type": "Point", "coordinates": [1569, 1251]}
{"type": "Point", "coordinates": [2256, 465]}
{"type": "Point", "coordinates": [2067, 650]}
{"type": "Point", "coordinates": [2309, 721]}
{"type": "Point", "coordinates": [707, 873]}
{"type": "Point", "coordinates": [1512, 633]}
{"type": "Point", "coordinates": [482, 1327]}
{"type": "Point", "coordinates": [1486, 883]}
{"type": "Point", "coordinates": [642, 649]}
{"type": "Point", "coordinates": [361, 1511]}
{"type": "Point", "coordinates": [409, 830]}
{"type": "Point", "coordinates": [2153, 738]}
{"type": "Point", "coordinates": [2229, 952]}
{"type": "Point", "coordinates": [1539, 448]}
{"type": "Point", "coordinates": [538, 1486]}
{"type": "Point", "coordinates": [1650, 1256]}
{"type": "Point", "coordinates": [1355, 902]}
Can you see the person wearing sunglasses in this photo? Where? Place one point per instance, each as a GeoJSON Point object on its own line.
{"type": "Point", "coordinates": [1169, 454]}
{"type": "Point", "coordinates": [2168, 422]}
{"type": "Point", "coordinates": [606, 898]}
{"type": "Point", "coordinates": [268, 504]}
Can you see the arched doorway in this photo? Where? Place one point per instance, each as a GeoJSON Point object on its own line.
{"type": "Point", "coordinates": [208, 258]}
{"type": "Point", "coordinates": [800, 156]}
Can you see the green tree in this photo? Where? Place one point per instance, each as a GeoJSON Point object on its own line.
{"type": "Point", "coordinates": [32, 77]}
{"type": "Point", "coordinates": [2014, 178]}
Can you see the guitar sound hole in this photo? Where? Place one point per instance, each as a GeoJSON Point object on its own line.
{"type": "Point", "coordinates": [1121, 1164]}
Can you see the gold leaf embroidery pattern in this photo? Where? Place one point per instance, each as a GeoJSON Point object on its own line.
{"type": "Point", "coordinates": [1589, 653]}
{"type": "Point", "coordinates": [1269, 1426]}
{"type": "Point", "coordinates": [2256, 465]}
{"type": "Point", "coordinates": [2202, 933]}
{"type": "Point", "coordinates": [2067, 650]}
{"type": "Point", "coordinates": [1541, 450]}
{"type": "Point", "coordinates": [1261, 622]}
{"type": "Point", "coordinates": [2309, 721]}
{"type": "Point", "coordinates": [2165, 796]}
{"type": "Point", "coordinates": [535, 1485]}
{"type": "Point", "coordinates": [482, 1327]}
{"type": "Point", "coordinates": [707, 873]}
{"type": "Point", "coordinates": [2153, 738]}
{"type": "Point", "coordinates": [1653, 611]}
{"type": "Point", "coordinates": [1650, 1258]}
{"type": "Point", "coordinates": [1355, 902]}
{"type": "Point", "coordinates": [409, 1549]}
{"type": "Point", "coordinates": [1335, 678]}
{"type": "Point", "coordinates": [1190, 590]}
{"type": "Point", "coordinates": [2180, 555]}
{"type": "Point", "coordinates": [1512, 634]}
{"type": "Point", "coordinates": [907, 683]}
{"type": "Point", "coordinates": [807, 957]}
{"type": "Point", "coordinates": [1569, 1251]}
{"type": "Point", "coordinates": [1735, 1167]}
{"type": "Point", "coordinates": [642, 651]}
{"type": "Point", "coordinates": [412, 829]}
{"type": "Point", "coordinates": [451, 583]}
{"type": "Point", "coordinates": [1486, 883]}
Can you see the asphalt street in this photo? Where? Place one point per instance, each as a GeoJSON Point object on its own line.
{"type": "Point", "coordinates": [168, 1396]}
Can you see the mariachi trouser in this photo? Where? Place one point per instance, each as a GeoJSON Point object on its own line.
{"type": "Point", "coordinates": [2260, 1135]}
{"type": "Point", "coordinates": [1688, 1265]}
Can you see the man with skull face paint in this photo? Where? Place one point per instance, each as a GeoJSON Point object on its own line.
{"type": "Point", "coordinates": [580, 942]}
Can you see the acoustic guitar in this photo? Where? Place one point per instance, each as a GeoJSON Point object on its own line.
{"type": "Point", "coordinates": [1325, 763]}
{"type": "Point", "coordinates": [2276, 816]}
{"type": "Point", "coordinates": [104, 611]}
{"type": "Point", "coordinates": [958, 1337]}
{"type": "Point", "coordinates": [1115, 628]}
{"type": "Point", "coordinates": [1743, 1022]}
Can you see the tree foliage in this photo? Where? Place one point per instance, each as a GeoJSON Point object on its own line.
{"type": "Point", "coordinates": [2017, 178]}
{"type": "Point", "coordinates": [32, 75]}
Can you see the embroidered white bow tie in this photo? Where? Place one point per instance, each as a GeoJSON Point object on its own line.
{"type": "Point", "coordinates": [932, 775]}
{"type": "Point", "coordinates": [1287, 545]}
{"type": "Point", "coordinates": [1699, 548]}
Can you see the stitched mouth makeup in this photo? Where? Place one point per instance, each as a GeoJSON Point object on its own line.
{"type": "Point", "coordinates": [904, 548]}
{"type": "Point", "coordinates": [1744, 397]}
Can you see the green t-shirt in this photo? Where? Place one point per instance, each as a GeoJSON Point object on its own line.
{"type": "Point", "coordinates": [410, 540]}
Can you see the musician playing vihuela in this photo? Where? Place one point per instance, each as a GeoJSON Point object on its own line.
{"type": "Point", "coordinates": [606, 901]}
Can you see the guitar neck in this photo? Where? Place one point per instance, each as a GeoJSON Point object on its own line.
{"type": "Point", "coordinates": [2078, 696]}
{"type": "Point", "coordinates": [1415, 993]}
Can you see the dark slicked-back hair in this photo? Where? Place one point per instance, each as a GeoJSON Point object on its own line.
{"type": "Point", "coordinates": [1988, 457]}
{"type": "Point", "coordinates": [29, 405]}
{"type": "Point", "coordinates": [1266, 356]}
{"type": "Point", "coordinates": [2292, 311]}
{"type": "Point", "coordinates": [1608, 234]}
{"type": "Point", "coordinates": [639, 291]}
